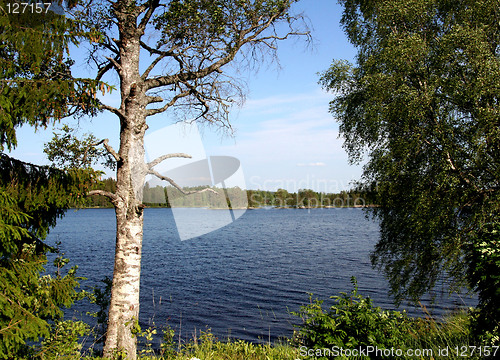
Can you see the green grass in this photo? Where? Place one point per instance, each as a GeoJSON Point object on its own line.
{"type": "Point", "coordinates": [207, 347]}
{"type": "Point", "coordinates": [420, 333]}
{"type": "Point", "coordinates": [353, 322]}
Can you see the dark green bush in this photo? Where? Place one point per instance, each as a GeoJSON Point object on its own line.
{"type": "Point", "coordinates": [484, 275]}
{"type": "Point", "coordinates": [353, 322]}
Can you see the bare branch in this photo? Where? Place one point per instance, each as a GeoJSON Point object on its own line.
{"type": "Point", "coordinates": [189, 75]}
{"type": "Point", "coordinates": [109, 195]}
{"type": "Point", "coordinates": [109, 65]}
{"type": "Point", "coordinates": [110, 46]}
{"type": "Point", "coordinates": [115, 63]}
{"type": "Point", "coordinates": [151, 66]}
{"type": "Point", "coordinates": [174, 184]}
{"type": "Point", "coordinates": [158, 160]}
{"type": "Point", "coordinates": [154, 99]}
{"type": "Point", "coordinates": [106, 146]}
{"type": "Point", "coordinates": [245, 36]}
{"type": "Point", "coordinates": [150, 112]}
{"type": "Point", "coordinates": [111, 109]}
{"type": "Point", "coordinates": [112, 151]}
{"type": "Point", "coordinates": [155, 51]}
{"type": "Point", "coordinates": [152, 6]}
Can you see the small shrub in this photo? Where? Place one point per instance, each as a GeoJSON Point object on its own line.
{"type": "Point", "coordinates": [167, 347]}
{"type": "Point", "coordinates": [352, 322]}
{"type": "Point", "coordinates": [63, 341]}
{"type": "Point", "coordinates": [484, 276]}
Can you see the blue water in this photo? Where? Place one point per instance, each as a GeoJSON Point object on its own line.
{"type": "Point", "coordinates": [242, 280]}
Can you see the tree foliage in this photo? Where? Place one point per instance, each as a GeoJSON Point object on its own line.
{"type": "Point", "coordinates": [189, 42]}
{"type": "Point", "coordinates": [354, 328]}
{"type": "Point", "coordinates": [36, 88]}
{"type": "Point", "coordinates": [422, 103]}
{"type": "Point", "coordinates": [32, 198]}
{"type": "Point", "coordinates": [67, 151]}
{"type": "Point", "coordinates": [36, 84]}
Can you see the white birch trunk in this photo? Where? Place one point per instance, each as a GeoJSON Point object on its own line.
{"type": "Point", "coordinates": [124, 305]}
{"type": "Point", "coordinates": [131, 173]}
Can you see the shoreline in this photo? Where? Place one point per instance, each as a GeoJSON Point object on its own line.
{"type": "Point", "coordinates": [239, 208]}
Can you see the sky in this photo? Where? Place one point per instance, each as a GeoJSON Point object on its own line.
{"type": "Point", "coordinates": [284, 135]}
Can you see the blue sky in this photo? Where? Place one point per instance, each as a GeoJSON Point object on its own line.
{"type": "Point", "coordinates": [284, 135]}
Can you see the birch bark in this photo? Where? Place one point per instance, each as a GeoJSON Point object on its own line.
{"type": "Point", "coordinates": [131, 172]}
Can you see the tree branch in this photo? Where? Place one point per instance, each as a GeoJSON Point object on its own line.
{"type": "Point", "coordinates": [155, 51]}
{"type": "Point", "coordinates": [104, 142]}
{"type": "Point", "coordinates": [112, 151]}
{"type": "Point", "coordinates": [158, 160]}
{"type": "Point", "coordinates": [153, 5]}
{"type": "Point", "coordinates": [111, 109]}
{"type": "Point", "coordinates": [154, 99]}
{"type": "Point", "coordinates": [188, 75]}
{"type": "Point", "coordinates": [151, 66]}
{"type": "Point", "coordinates": [174, 184]}
{"type": "Point", "coordinates": [108, 45]}
{"type": "Point", "coordinates": [105, 69]}
{"type": "Point", "coordinates": [115, 63]}
{"type": "Point", "coordinates": [109, 195]}
{"type": "Point", "coordinates": [150, 112]}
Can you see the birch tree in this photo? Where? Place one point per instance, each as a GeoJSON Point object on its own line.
{"type": "Point", "coordinates": [422, 103]}
{"type": "Point", "coordinates": [170, 57]}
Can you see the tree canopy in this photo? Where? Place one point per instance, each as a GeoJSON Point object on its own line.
{"type": "Point", "coordinates": [422, 103]}
{"type": "Point", "coordinates": [36, 84]}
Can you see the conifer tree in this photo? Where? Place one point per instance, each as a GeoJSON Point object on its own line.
{"type": "Point", "coordinates": [36, 88]}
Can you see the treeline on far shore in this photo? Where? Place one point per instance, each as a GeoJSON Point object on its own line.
{"type": "Point", "coordinates": [236, 198]}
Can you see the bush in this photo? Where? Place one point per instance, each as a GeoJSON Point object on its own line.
{"type": "Point", "coordinates": [63, 341]}
{"type": "Point", "coordinates": [484, 275]}
{"type": "Point", "coordinates": [352, 322]}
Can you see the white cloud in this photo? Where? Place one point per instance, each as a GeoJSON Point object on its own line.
{"type": "Point", "coordinates": [289, 141]}
{"type": "Point", "coordinates": [302, 131]}
{"type": "Point", "coordinates": [311, 164]}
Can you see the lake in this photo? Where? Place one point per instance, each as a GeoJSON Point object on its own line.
{"type": "Point", "coordinates": [242, 280]}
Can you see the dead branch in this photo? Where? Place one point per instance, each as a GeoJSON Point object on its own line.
{"type": "Point", "coordinates": [112, 151]}
{"type": "Point", "coordinates": [111, 109]}
{"type": "Point", "coordinates": [159, 159]}
{"type": "Point", "coordinates": [150, 112]}
{"type": "Point", "coordinates": [109, 195]}
{"type": "Point", "coordinates": [174, 184]}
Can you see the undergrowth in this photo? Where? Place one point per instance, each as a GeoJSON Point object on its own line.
{"type": "Point", "coordinates": [353, 322]}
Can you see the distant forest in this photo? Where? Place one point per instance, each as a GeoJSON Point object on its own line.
{"type": "Point", "coordinates": [236, 198]}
